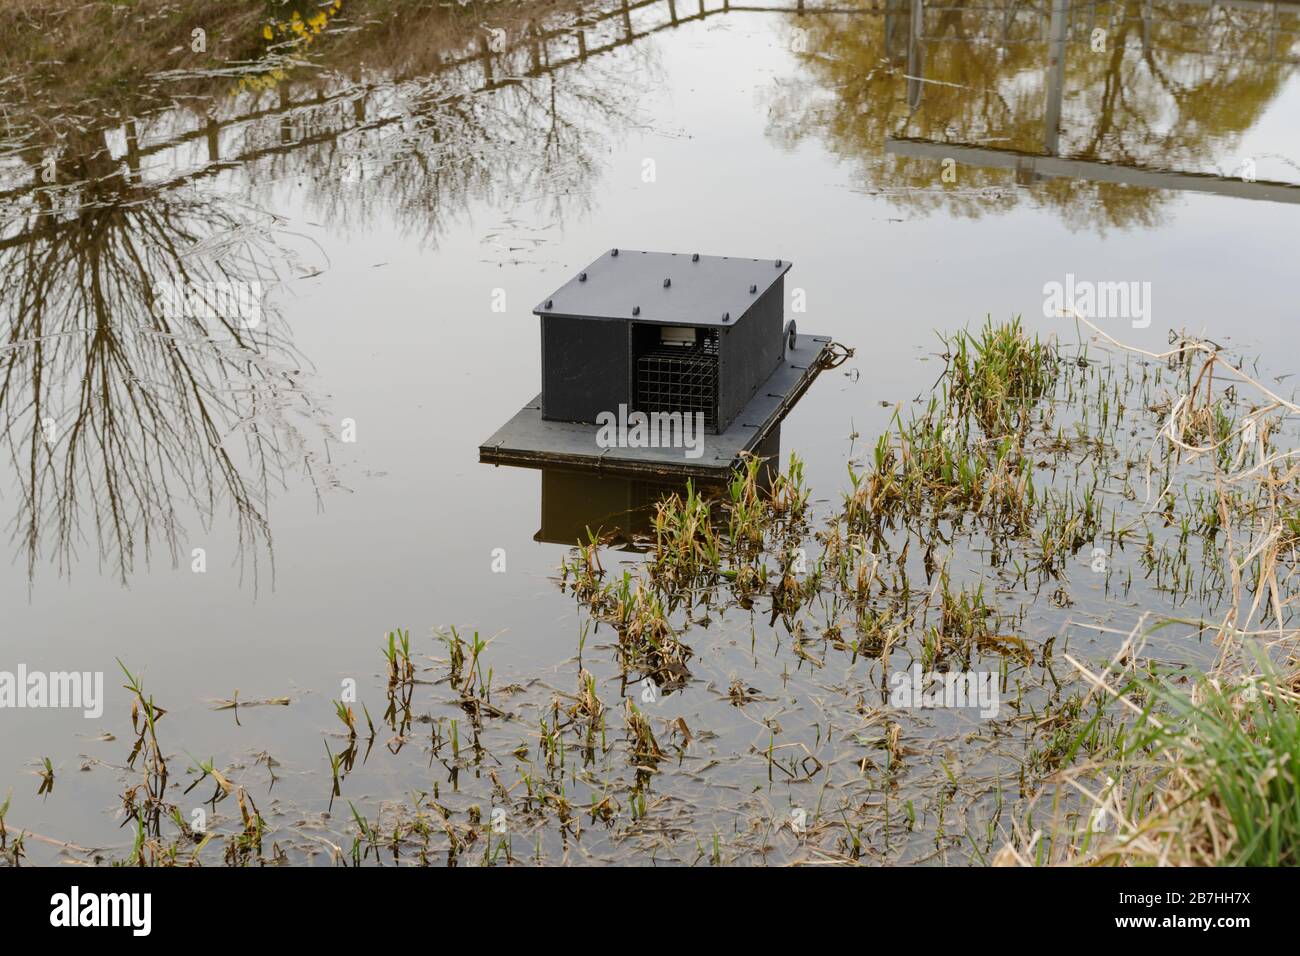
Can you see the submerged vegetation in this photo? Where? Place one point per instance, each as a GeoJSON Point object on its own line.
{"type": "Point", "coordinates": [735, 691]}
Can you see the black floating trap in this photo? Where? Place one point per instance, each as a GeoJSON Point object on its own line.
{"type": "Point", "coordinates": [690, 348]}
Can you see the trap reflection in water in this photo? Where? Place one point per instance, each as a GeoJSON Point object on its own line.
{"type": "Point", "coordinates": [619, 509]}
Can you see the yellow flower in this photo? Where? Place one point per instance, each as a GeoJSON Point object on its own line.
{"type": "Point", "coordinates": [266, 32]}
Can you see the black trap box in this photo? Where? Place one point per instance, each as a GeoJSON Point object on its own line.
{"type": "Point", "coordinates": [661, 332]}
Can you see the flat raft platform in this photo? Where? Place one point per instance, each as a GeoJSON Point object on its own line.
{"type": "Point", "coordinates": [530, 441]}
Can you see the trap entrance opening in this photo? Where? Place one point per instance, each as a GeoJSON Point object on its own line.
{"type": "Point", "coordinates": [677, 370]}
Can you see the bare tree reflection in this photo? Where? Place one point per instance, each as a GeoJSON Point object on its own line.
{"type": "Point", "coordinates": [126, 425]}
{"type": "Point", "coordinates": [432, 145]}
{"type": "Point", "coordinates": [118, 417]}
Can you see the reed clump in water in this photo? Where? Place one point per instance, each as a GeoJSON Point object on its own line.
{"type": "Point", "coordinates": [966, 452]}
{"type": "Point", "coordinates": [998, 376]}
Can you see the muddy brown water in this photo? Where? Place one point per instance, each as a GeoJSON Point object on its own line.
{"type": "Point", "coordinates": [404, 220]}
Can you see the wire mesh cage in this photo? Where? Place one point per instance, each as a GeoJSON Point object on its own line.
{"type": "Point", "coordinates": [680, 378]}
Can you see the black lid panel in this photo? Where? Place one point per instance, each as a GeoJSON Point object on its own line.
{"type": "Point", "coordinates": [665, 288]}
